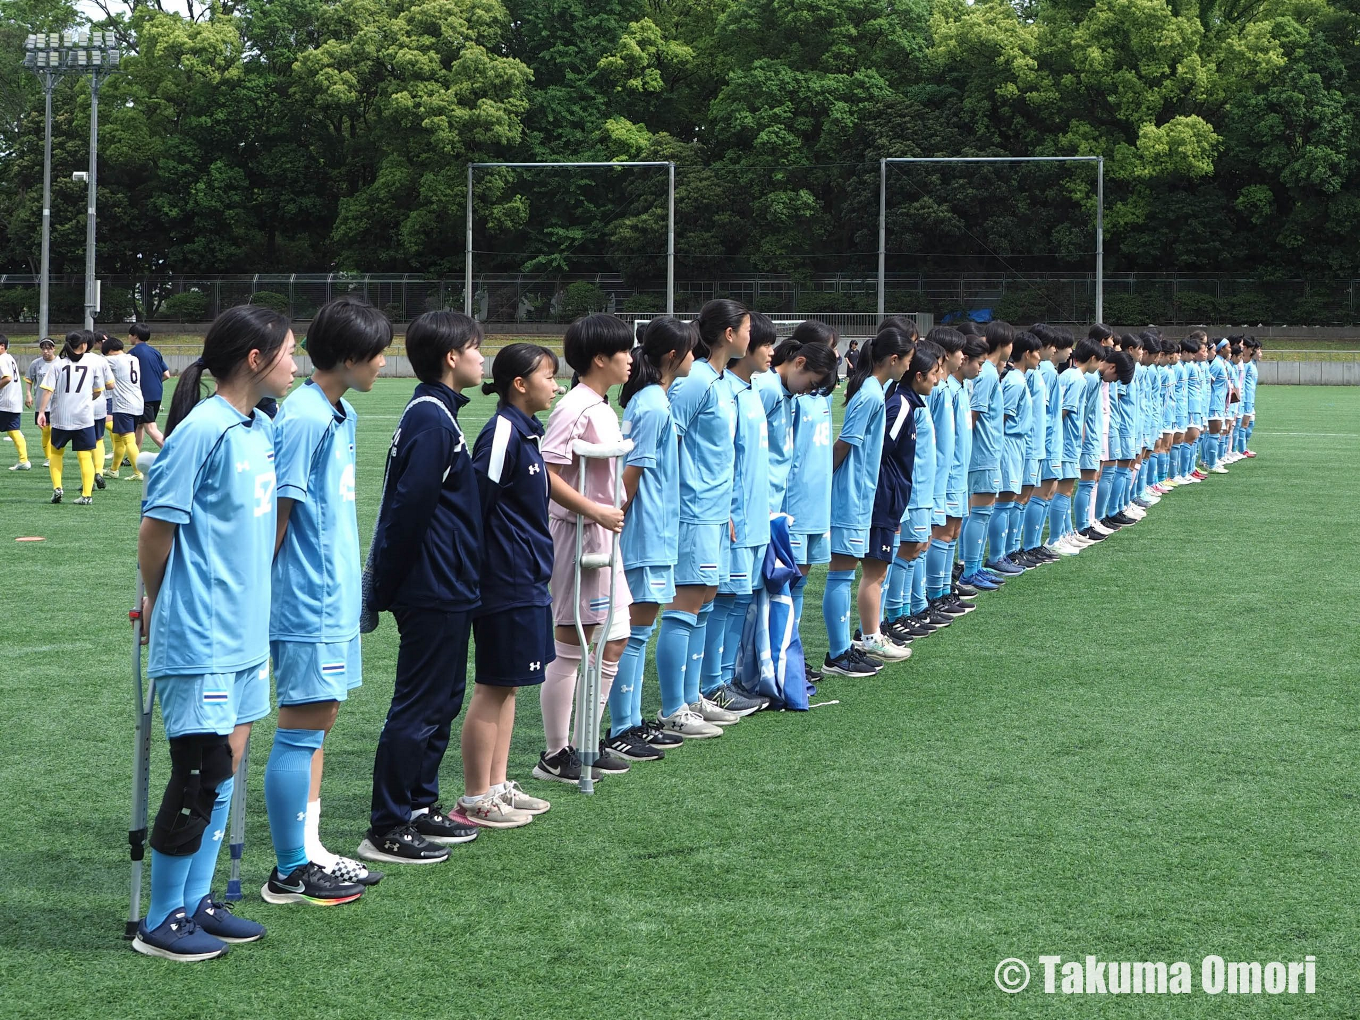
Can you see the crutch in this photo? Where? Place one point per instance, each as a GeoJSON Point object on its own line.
{"type": "Point", "coordinates": [589, 676]}
{"type": "Point", "coordinates": [237, 820]}
{"type": "Point", "coordinates": [144, 695]}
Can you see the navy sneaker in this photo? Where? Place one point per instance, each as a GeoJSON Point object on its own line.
{"type": "Point", "coordinates": [992, 575]}
{"type": "Point", "coordinates": [844, 665]}
{"type": "Point", "coordinates": [947, 606]}
{"type": "Point", "coordinates": [979, 583]}
{"type": "Point", "coordinates": [178, 938]}
{"type": "Point", "coordinates": [217, 920]}
{"type": "Point", "coordinates": [1005, 567]}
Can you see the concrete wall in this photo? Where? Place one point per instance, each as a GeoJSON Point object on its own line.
{"type": "Point", "coordinates": [1310, 373]}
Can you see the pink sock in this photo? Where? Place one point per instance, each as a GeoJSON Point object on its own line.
{"type": "Point", "coordinates": [556, 694]}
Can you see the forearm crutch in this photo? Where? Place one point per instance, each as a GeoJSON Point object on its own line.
{"type": "Point", "coordinates": [144, 700]}
{"type": "Point", "coordinates": [237, 825]}
{"type": "Point", "coordinates": [589, 677]}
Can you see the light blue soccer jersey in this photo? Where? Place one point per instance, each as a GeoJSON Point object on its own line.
{"type": "Point", "coordinates": [988, 402]}
{"type": "Point", "coordinates": [1053, 413]}
{"type": "Point", "coordinates": [1253, 374]}
{"type": "Point", "coordinates": [651, 526]}
{"type": "Point", "coordinates": [1193, 385]}
{"type": "Point", "coordinates": [1218, 386]}
{"type": "Point", "coordinates": [780, 406]}
{"type": "Point", "coordinates": [1036, 435]}
{"type": "Point", "coordinates": [853, 484]}
{"type": "Point", "coordinates": [808, 498]}
{"type": "Point", "coordinates": [316, 595]}
{"type": "Point", "coordinates": [1017, 403]}
{"type": "Point", "coordinates": [1205, 388]}
{"type": "Point", "coordinates": [1182, 390]}
{"type": "Point", "coordinates": [706, 423]}
{"type": "Point", "coordinates": [751, 472]}
{"type": "Point", "coordinates": [1072, 385]}
{"type": "Point", "coordinates": [1123, 408]}
{"type": "Point", "coordinates": [941, 406]}
{"type": "Point", "coordinates": [961, 396]}
{"type": "Point", "coordinates": [924, 463]}
{"type": "Point", "coordinates": [215, 480]}
{"type": "Point", "coordinates": [1093, 415]}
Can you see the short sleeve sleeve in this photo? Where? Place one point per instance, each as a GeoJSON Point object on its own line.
{"type": "Point", "coordinates": [49, 378]}
{"type": "Point", "coordinates": [857, 418]}
{"type": "Point", "coordinates": [177, 471]}
{"type": "Point", "coordinates": [687, 400]}
{"type": "Point", "coordinates": [296, 439]}
{"type": "Point", "coordinates": [644, 429]}
{"type": "Point", "coordinates": [983, 387]}
{"type": "Point", "coordinates": [564, 424]}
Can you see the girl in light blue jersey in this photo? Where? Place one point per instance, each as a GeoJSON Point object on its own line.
{"type": "Point", "coordinates": [205, 549]}
{"type": "Point", "coordinates": [939, 558]}
{"type": "Point", "coordinates": [1252, 375]}
{"type": "Point", "coordinates": [796, 368]}
{"type": "Point", "coordinates": [650, 544]}
{"type": "Point", "coordinates": [705, 422]}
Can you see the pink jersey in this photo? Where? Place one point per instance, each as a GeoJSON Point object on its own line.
{"type": "Point", "coordinates": [581, 414]}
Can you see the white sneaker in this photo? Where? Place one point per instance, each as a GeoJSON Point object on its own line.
{"type": "Point", "coordinates": [23, 465]}
{"type": "Point", "coordinates": [493, 812]}
{"type": "Point", "coordinates": [881, 648]}
{"type": "Point", "coordinates": [519, 800]}
{"type": "Point", "coordinates": [1136, 512]}
{"type": "Point", "coordinates": [1218, 469]}
{"type": "Point", "coordinates": [688, 723]}
{"type": "Point", "coordinates": [47, 463]}
{"type": "Point", "coordinates": [1080, 541]}
{"type": "Point", "coordinates": [1098, 527]}
{"type": "Point", "coordinates": [716, 714]}
{"type": "Point", "coordinates": [1065, 548]}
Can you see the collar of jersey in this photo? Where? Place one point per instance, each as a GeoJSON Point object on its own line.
{"type": "Point", "coordinates": [525, 423]}
{"type": "Point", "coordinates": [440, 392]}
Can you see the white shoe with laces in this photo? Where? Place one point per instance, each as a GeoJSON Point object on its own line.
{"type": "Point", "coordinates": [688, 723]}
{"type": "Point", "coordinates": [511, 794]}
{"type": "Point", "coordinates": [713, 713]}
{"type": "Point", "coordinates": [23, 465]}
{"type": "Point", "coordinates": [881, 648]}
{"type": "Point", "coordinates": [494, 813]}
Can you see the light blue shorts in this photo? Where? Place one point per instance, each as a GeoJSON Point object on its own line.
{"type": "Point", "coordinates": [809, 550]}
{"type": "Point", "coordinates": [956, 503]}
{"type": "Point", "coordinates": [916, 525]}
{"type": "Point", "coordinates": [1090, 460]}
{"type": "Point", "coordinates": [1031, 475]}
{"type": "Point", "coordinates": [1070, 470]}
{"type": "Point", "coordinates": [1050, 469]}
{"type": "Point", "coordinates": [651, 584]}
{"type": "Point", "coordinates": [305, 672]}
{"type": "Point", "coordinates": [849, 541]}
{"type": "Point", "coordinates": [703, 554]}
{"type": "Point", "coordinates": [984, 481]}
{"type": "Point", "coordinates": [213, 702]}
{"type": "Point", "coordinates": [744, 569]}
{"type": "Point", "coordinates": [1121, 446]}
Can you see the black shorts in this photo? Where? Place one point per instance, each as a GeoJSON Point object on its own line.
{"type": "Point", "coordinates": [10, 421]}
{"type": "Point", "coordinates": [80, 439]}
{"type": "Point", "coordinates": [513, 645]}
{"type": "Point", "coordinates": [124, 423]}
{"type": "Point", "coordinates": [151, 409]}
{"type": "Point", "coordinates": [882, 542]}
{"type": "Point", "coordinates": [99, 424]}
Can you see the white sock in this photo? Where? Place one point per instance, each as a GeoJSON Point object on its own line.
{"type": "Point", "coordinates": [316, 853]}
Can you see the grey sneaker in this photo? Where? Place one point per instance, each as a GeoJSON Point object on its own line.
{"type": "Point", "coordinates": [729, 698]}
{"type": "Point", "coordinates": [493, 812]}
{"type": "Point", "coordinates": [710, 712]}
{"type": "Point", "coordinates": [521, 801]}
{"type": "Point", "coordinates": [689, 723]}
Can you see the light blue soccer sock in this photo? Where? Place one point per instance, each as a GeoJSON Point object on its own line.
{"type": "Point", "coordinates": [938, 568]}
{"type": "Point", "coordinates": [715, 636]}
{"type": "Point", "coordinates": [974, 538]}
{"type": "Point", "coordinates": [1081, 506]}
{"type": "Point", "coordinates": [694, 667]}
{"type": "Point", "coordinates": [998, 529]}
{"type": "Point", "coordinates": [1122, 482]}
{"type": "Point", "coordinates": [1246, 441]}
{"type": "Point", "coordinates": [898, 580]}
{"type": "Point", "coordinates": [1035, 513]}
{"type": "Point", "coordinates": [1059, 516]}
{"type": "Point", "coordinates": [1164, 460]}
{"type": "Point", "coordinates": [168, 875]}
{"type": "Point", "coordinates": [1015, 529]}
{"type": "Point", "coordinates": [1103, 488]}
{"type": "Point", "coordinates": [796, 593]}
{"type": "Point", "coordinates": [287, 780]}
{"type": "Point", "coordinates": [672, 654]}
{"type": "Point", "coordinates": [1187, 459]}
{"type": "Point", "coordinates": [919, 604]}
{"type": "Point", "coordinates": [203, 862]}
{"type": "Point", "coordinates": [627, 690]}
{"type": "Point", "coordinates": [836, 610]}
{"type": "Point", "coordinates": [736, 625]}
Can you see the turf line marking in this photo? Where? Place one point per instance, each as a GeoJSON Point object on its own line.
{"type": "Point", "coordinates": [1328, 435]}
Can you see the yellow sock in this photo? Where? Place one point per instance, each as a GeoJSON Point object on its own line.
{"type": "Point", "coordinates": [54, 468]}
{"type": "Point", "coordinates": [20, 445]}
{"type": "Point", "coordinates": [117, 442]}
{"type": "Point", "coordinates": [47, 442]}
{"type": "Point", "coordinates": [98, 456]}
{"type": "Point", "coordinates": [86, 471]}
{"type": "Point", "coordinates": [130, 451]}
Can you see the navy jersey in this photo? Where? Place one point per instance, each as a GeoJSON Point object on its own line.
{"type": "Point", "coordinates": [427, 542]}
{"type": "Point", "coordinates": [899, 453]}
{"type": "Point", "coordinates": [517, 549]}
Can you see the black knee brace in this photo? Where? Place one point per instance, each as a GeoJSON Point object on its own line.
{"type": "Point", "coordinates": [199, 764]}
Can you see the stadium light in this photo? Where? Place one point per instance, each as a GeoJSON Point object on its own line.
{"type": "Point", "coordinates": [52, 56]}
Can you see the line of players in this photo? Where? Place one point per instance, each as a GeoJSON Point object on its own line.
{"type": "Point", "coordinates": [249, 546]}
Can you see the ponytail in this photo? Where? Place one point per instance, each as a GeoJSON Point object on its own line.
{"type": "Point", "coordinates": [889, 342]}
{"type": "Point", "coordinates": [663, 336]}
{"type": "Point", "coordinates": [73, 340]}
{"type": "Point", "coordinates": [516, 361]}
{"type": "Point", "coordinates": [231, 338]}
{"type": "Point", "coordinates": [715, 319]}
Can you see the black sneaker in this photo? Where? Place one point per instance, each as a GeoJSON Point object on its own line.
{"type": "Point", "coordinates": [958, 571]}
{"type": "Point", "coordinates": [56, 496]}
{"type": "Point", "coordinates": [1025, 559]}
{"type": "Point", "coordinates": [924, 620]}
{"type": "Point", "coordinates": [936, 617]}
{"type": "Point", "coordinates": [562, 767]}
{"type": "Point", "coordinates": [1110, 524]}
{"type": "Point", "coordinates": [959, 604]}
{"type": "Point", "coordinates": [309, 884]}
{"type": "Point", "coordinates": [632, 746]}
{"type": "Point", "coordinates": [99, 482]}
{"type": "Point", "coordinates": [910, 625]}
{"type": "Point", "coordinates": [730, 699]}
{"type": "Point", "coordinates": [660, 737]}
{"type": "Point", "coordinates": [1044, 556]}
{"type": "Point", "coordinates": [403, 845]}
{"type": "Point", "coordinates": [946, 607]}
{"type": "Point", "coordinates": [610, 764]}
{"type": "Point", "coordinates": [438, 827]}
{"type": "Point", "coordinates": [865, 660]}
{"type": "Point", "coordinates": [1123, 520]}
{"type": "Point", "coordinates": [812, 673]}
{"type": "Point", "coordinates": [893, 632]}
{"type": "Point", "coordinates": [1092, 534]}
{"type": "Point", "coordinates": [847, 665]}
{"type": "Point", "coordinates": [965, 591]}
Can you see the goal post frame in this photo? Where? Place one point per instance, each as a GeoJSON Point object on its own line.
{"type": "Point", "coordinates": [1099, 161]}
{"type": "Point", "coordinates": [670, 215]}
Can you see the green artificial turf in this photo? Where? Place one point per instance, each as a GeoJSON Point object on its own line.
{"type": "Point", "coordinates": [1145, 752]}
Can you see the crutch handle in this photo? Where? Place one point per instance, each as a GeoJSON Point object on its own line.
{"type": "Point", "coordinates": [595, 560]}
{"type": "Point", "coordinates": [145, 459]}
{"type": "Point", "coordinates": [601, 451]}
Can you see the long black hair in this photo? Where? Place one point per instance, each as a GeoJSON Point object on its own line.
{"type": "Point", "coordinates": [231, 338]}
{"type": "Point", "coordinates": [889, 342]}
{"type": "Point", "coordinates": [518, 361]}
{"type": "Point", "coordinates": [662, 336]}
{"type": "Point", "coordinates": [73, 340]}
{"type": "Point", "coordinates": [715, 319]}
{"type": "Point", "coordinates": [817, 357]}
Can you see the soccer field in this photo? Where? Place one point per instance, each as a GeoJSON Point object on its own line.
{"type": "Point", "coordinates": [1143, 753]}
